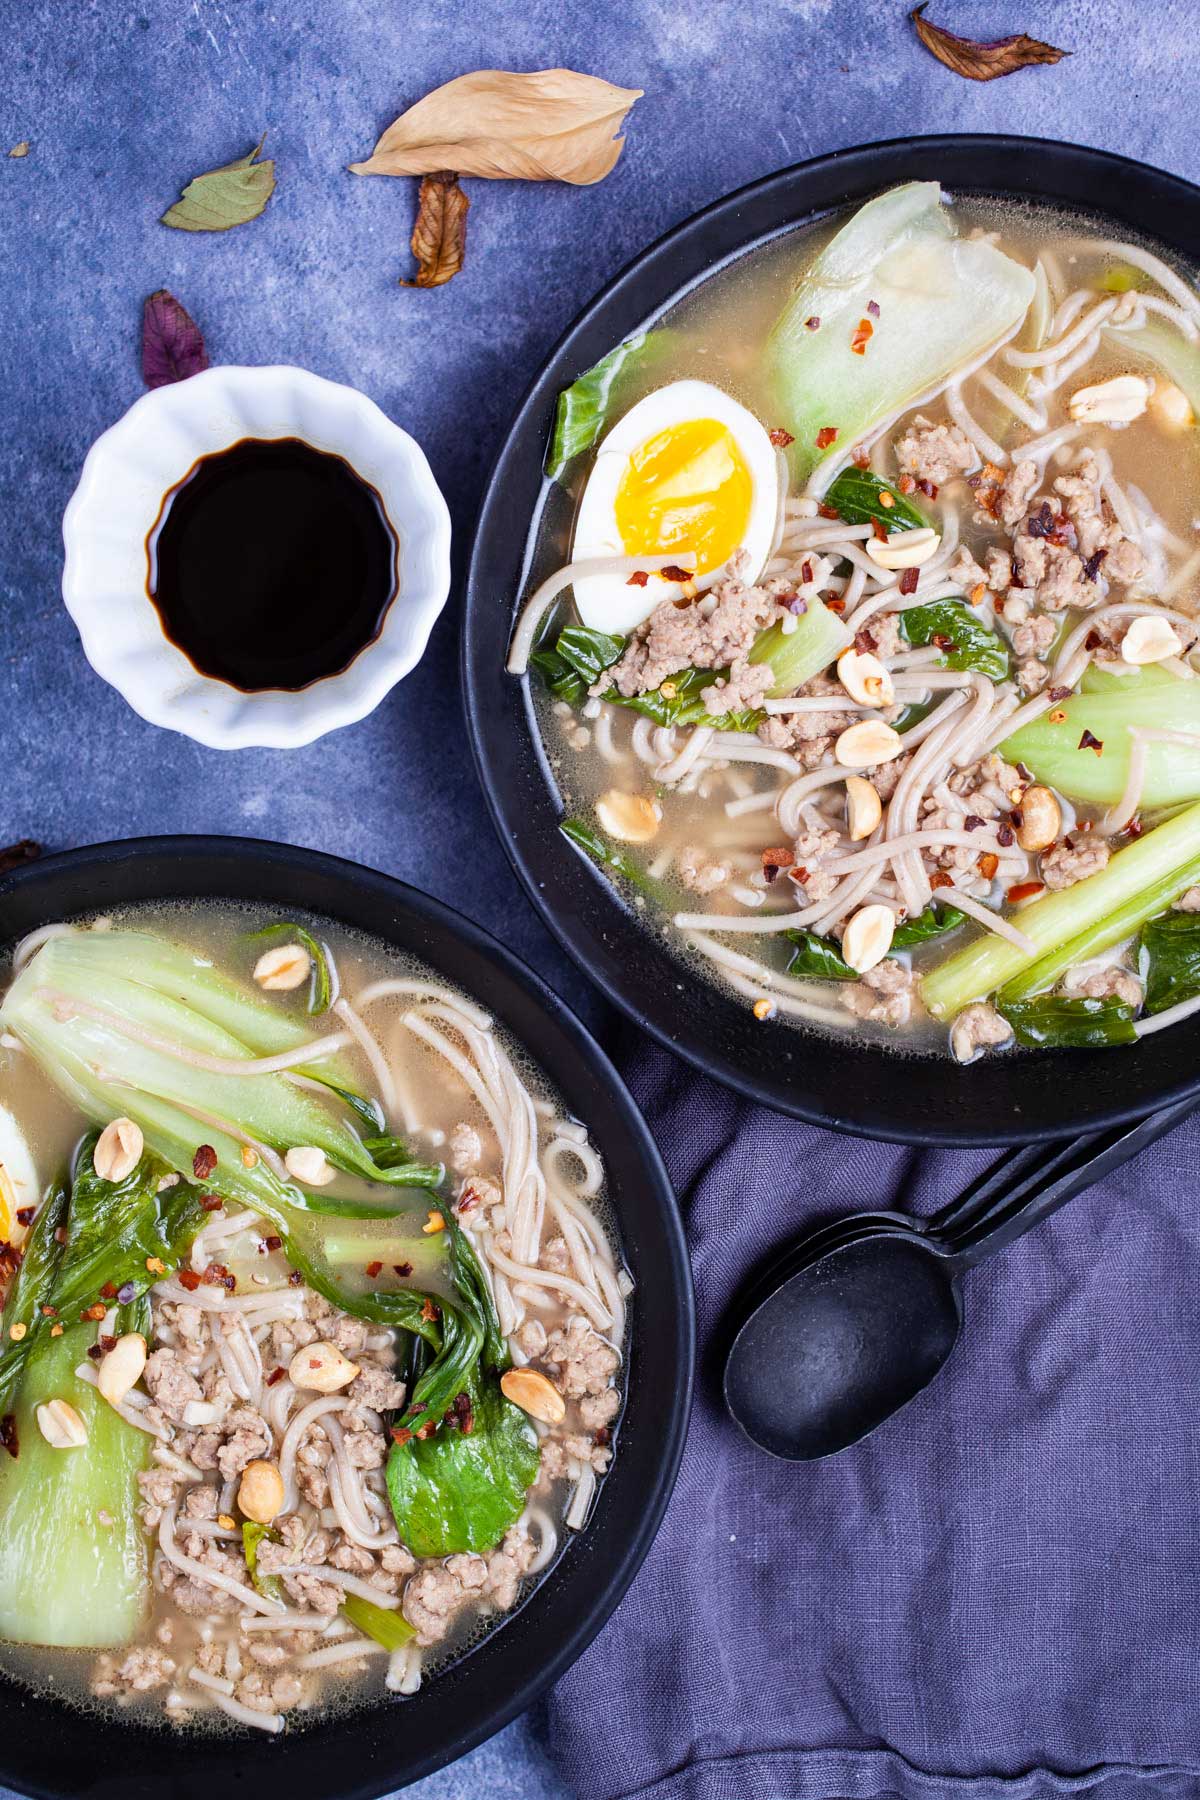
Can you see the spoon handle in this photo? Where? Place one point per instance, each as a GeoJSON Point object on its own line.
{"type": "Point", "coordinates": [1073, 1168]}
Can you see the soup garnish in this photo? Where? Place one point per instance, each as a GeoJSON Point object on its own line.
{"type": "Point", "coordinates": [290, 1408]}
{"type": "Point", "coordinates": [923, 761]}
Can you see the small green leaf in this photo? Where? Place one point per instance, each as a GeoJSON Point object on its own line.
{"type": "Point", "coordinates": [564, 682]}
{"type": "Point", "coordinates": [1078, 1022]}
{"type": "Point", "coordinates": [225, 197]}
{"type": "Point", "coordinates": [930, 924]}
{"type": "Point", "coordinates": [1172, 946]}
{"type": "Point", "coordinates": [819, 957]}
{"type": "Point", "coordinates": [857, 497]}
{"type": "Point", "coordinates": [968, 645]}
{"type": "Point", "coordinates": [320, 987]}
{"type": "Point", "coordinates": [600, 851]}
{"type": "Point", "coordinates": [589, 653]}
{"type": "Point", "coordinates": [583, 407]}
{"type": "Point", "coordinates": [461, 1490]}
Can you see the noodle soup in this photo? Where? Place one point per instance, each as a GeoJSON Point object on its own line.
{"type": "Point", "coordinates": [871, 676]}
{"type": "Point", "coordinates": [314, 1319]}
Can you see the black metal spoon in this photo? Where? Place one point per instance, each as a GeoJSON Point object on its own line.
{"type": "Point", "coordinates": [862, 1313]}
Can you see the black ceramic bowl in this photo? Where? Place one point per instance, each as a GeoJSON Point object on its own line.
{"type": "Point", "coordinates": [830, 1080]}
{"type": "Point", "coordinates": [47, 1748]}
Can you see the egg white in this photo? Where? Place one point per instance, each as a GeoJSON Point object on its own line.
{"type": "Point", "coordinates": [607, 602]}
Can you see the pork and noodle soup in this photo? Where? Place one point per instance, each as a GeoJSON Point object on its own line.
{"type": "Point", "coordinates": [871, 677]}
{"type": "Point", "coordinates": [311, 1351]}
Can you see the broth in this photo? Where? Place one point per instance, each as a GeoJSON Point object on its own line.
{"type": "Point", "coordinates": [726, 832]}
{"type": "Point", "coordinates": [198, 1657]}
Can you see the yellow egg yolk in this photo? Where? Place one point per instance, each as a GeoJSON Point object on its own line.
{"type": "Point", "coordinates": [688, 488]}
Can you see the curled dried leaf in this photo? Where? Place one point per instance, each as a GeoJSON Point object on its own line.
{"type": "Point", "coordinates": [548, 125]}
{"type": "Point", "coordinates": [439, 239]}
{"type": "Point", "coordinates": [982, 61]}
{"type": "Point", "coordinates": [172, 342]}
{"type": "Point", "coordinates": [225, 197]}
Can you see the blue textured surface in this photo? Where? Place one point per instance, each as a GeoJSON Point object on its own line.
{"type": "Point", "coordinates": [123, 104]}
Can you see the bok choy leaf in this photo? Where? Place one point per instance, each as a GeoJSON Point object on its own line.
{"type": "Point", "coordinates": [1172, 949]}
{"type": "Point", "coordinates": [1080, 1022]}
{"type": "Point", "coordinates": [583, 408]}
{"type": "Point", "coordinates": [965, 643]}
{"type": "Point", "coordinates": [861, 497]}
{"type": "Point", "coordinates": [940, 299]}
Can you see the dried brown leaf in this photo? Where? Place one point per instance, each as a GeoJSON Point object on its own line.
{"type": "Point", "coordinates": [21, 149]}
{"type": "Point", "coordinates": [439, 239]}
{"type": "Point", "coordinates": [550, 125]}
{"type": "Point", "coordinates": [982, 61]}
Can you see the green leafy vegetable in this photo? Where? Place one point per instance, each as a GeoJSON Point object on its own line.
{"type": "Point", "coordinates": [1139, 881]}
{"type": "Point", "coordinates": [564, 682]}
{"type": "Point", "coordinates": [819, 957]}
{"type": "Point", "coordinates": [582, 410]}
{"type": "Point", "coordinates": [682, 705]}
{"type": "Point", "coordinates": [320, 985]}
{"type": "Point", "coordinates": [602, 852]}
{"type": "Point", "coordinates": [1054, 1022]}
{"type": "Point", "coordinates": [461, 1490]}
{"type": "Point", "coordinates": [1172, 947]}
{"type": "Point", "coordinates": [388, 1627]}
{"type": "Point", "coordinates": [225, 197]}
{"type": "Point", "coordinates": [795, 657]}
{"type": "Point", "coordinates": [1055, 749]}
{"type": "Point", "coordinates": [860, 497]}
{"type": "Point", "coordinates": [588, 652]}
{"type": "Point", "coordinates": [269, 1586]}
{"type": "Point", "coordinates": [932, 923]}
{"type": "Point", "coordinates": [941, 300]}
{"type": "Point", "coordinates": [965, 643]}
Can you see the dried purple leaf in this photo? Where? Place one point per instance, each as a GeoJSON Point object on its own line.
{"type": "Point", "coordinates": [172, 343]}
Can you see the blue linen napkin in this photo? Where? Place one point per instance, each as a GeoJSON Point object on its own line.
{"type": "Point", "coordinates": [993, 1596]}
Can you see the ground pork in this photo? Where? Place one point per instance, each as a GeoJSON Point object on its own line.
{"type": "Point", "coordinates": [1072, 860]}
{"type": "Point", "coordinates": [1032, 675]}
{"type": "Point", "coordinates": [693, 636]}
{"type": "Point", "coordinates": [999, 569]}
{"type": "Point", "coordinates": [438, 1590]}
{"type": "Point", "coordinates": [741, 689]}
{"type": "Point", "coordinates": [1036, 635]}
{"type": "Point", "coordinates": [1114, 983]}
{"type": "Point", "coordinates": [884, 994]}
{"type": "Point", "coordinates": [809, 848]}
{"type": "Point", "coordinates": [987, 787]}
{"type": "Point", "coordinates": [555, 1258]}
{"type": "Point", "coordinates": [465, 1148]}
{"type": "Point", "coordinates": [935, 453]}
{"type": "Point", "coordinates": [1096, 528]}
{"type": "Point", "coordinates": [1189, 902]}
{"type": "Point", "coordinates": [312, 1460]}
{"type": "Point", "coordinates": [886, 776]}
{"type": "Point", "coordinates": [977, 1026]}
{"type": "Point", "coordinates": [531, 1336]}
{"type": "Point", "coordinates": [248, 1438]}
{"type": "Point", "coordinates": [966, 571]}
{"type": "Point", "coordinates": [169, 1384]}
{"type": "Point", "coordinates": [137, 1672]}
{"type": "Point", "coordinates": [1015, 492]}
{"type": "Point", "coordinates": [201, 1502]}
{"type": "Point", "coordinates": [578, 1360]}
{"type": "Point", "coordinates": [288, 1336]}
{"type": "Point", "coordinates": [269, 1693]}
{"type": "Point", "coordinates": [597, 1410]}
{"type": "Point", "coordinates": [699, 872]}
{"type": "Point", "coordinates": [158, 1487]}
{"type": "Point", "coordinates": [376, 1388]}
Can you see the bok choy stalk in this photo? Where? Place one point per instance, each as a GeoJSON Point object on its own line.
{"type": "Point", "coordinates": [941, 300]}
{"type": "Point", "coordinates": [1057, 751]}
{"type": "Point", "coordinates": [1140, 881]}
{"type": "Point", "coordinates": [1168, 350]}
{"type": "Point", "coordinates": [73, 1556]}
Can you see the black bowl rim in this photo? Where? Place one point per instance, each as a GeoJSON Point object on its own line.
{"type": "Point", "coordinates": [120, 1769]}
{"type": "Point", "coordinates": [610, 315]}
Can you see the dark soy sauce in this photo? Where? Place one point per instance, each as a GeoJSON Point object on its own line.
{"type": "Point", "coordinates": [272, 564]}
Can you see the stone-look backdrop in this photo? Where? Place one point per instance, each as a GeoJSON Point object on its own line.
{"type": "Point", "coordinates": [122, 102]}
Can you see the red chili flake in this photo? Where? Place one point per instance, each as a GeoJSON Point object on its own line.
{"type": "Point", "coordinates": [908, 580]}
{"type": "Point", "coordinates": [109, 1291]}
{"type": "Point", "coordinates": [907, 485]}
{"type": "Point", "coordinates": [96, 1310]}
{"type": "Point", "coordinates": [1091, 567]}
{"type": "Point", "coordinates": [928, 488]}
{"type": "Point", "coordinates": [49, 1312]}
{"type": "Point", "coordinates": [864, 331]}
{"type": "Point", "coordinates": [879, 529]}
{"type": "Point", "coordinates": [273, 1242]}
{"type": "Point", "coordinates": [60, 1234]}
{"type": "Point", "coordinates": [10, 1258]}
{"type": "Point", "coordinates": [25, 1215]}
{"type": "Point", "coordinates": [942, 641]}
{"type": "Point", "coordinates": [861, 460]}
{"type": "Point", "coordinates": [798, 874]}
{"type": "Point", "coordinates": [94, 1352]}
{"type": "Point", "coordinates": [940, 880]}
{"type": "Point", "coordinates": [1054, 693]}
{"type": "Point", "coordinates": [601, 1436]}
{"type": "Point", "coordinates": [775, 860]}
{"type": "Point", "coordinates": [211, 1203]}
{"type": "Point", "coordinates": [1024, 890]}
{"type": "Point", "coordinates": [127, 1292]}
{"type": "Point", "coordinates": [277, 1374]}
{"type": "Point", "coordinates": [189, 1279]}
{"type": "Point", "coordinates": [825, 511]}
{"type": "Point", "coordinates": [204, 1162]}
{"type": "Point", "coordinates": [826, 436]}
{"type": "Point", "coordinates": [1135, 828]}
{"type": "Point", "coordinates": [1088, 742]}
{"type": "Point", "coordinates": [1004, 836]}
{"type": "Point", "coordinates": [295, 1279]}
{"type": "Point", "coordinates": [836, 605]}
{"type": "Point", "coordinates": [813, 323]}
{"type": "Point", "coordinates": [214, 1275]}
{"type": "Point", "coordinates": [781, 438]}
{"type": "Point", "coordinates": [1023, 772]}
{"type": "Point", "coordinates": [673, 572]}
{"type": "Point", "coordinates": [864, 643]}
{"type": "Point", "coordinates": [8, 1434]}
{"type": "Point", "coordinates": [373, 1269]}
{"type": "Point", "coordinates": [429, 1311]}
{"type": "Point", "coordinates": [106, 1342]}
{"type": "Point", "coordinates": [873, 308]}
{"type": "Point", "coordinates": [1041, 524]}
{"type": "Point", "coordinates": [400, 1434]}
{"type": "Point", "coordinates": [989, 862]}
{"type": "Point", "coordinates": [403, 1270]}
{"type": "Point", "coordinates": [1092, 641]}
{"type": "Point", "coordinates": [806, 572]}
{"type": "Point", "coordinates": [972, 822]}
{"type": "Point", "coordinates": [462, 1414]}
{"type": "Point", "coordinates": [639, 578]}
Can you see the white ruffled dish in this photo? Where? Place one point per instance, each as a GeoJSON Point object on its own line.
{"type": "Point", "coordinates": [113, 510]}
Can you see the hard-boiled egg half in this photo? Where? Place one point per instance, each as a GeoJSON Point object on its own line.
{"type": "Point", "coordinates": [687, 470]}
{"type": "Point", "coordinates": [18, 1178]}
